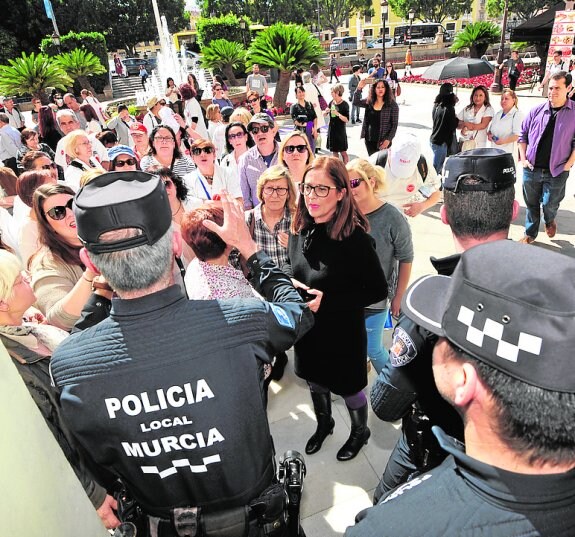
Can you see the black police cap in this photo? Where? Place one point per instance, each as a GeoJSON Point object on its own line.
{"type": "Point", "coordinates": [120, 200]}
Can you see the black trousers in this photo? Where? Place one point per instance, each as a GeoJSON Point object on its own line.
{"type": "Point", "coordinates": [513, 82]}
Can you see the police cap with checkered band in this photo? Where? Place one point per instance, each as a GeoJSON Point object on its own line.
{"type": "Point", "coordinates": [486, 169]}
{"type": "Point", "coordinates": [509, 305]}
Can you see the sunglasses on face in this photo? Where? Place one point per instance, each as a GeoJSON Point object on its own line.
{"type": "Point", "coordinates": [263, 128]}
{"type": "Point", "coordinates": [48, 166]}
{"type": "Point", "coordinates": [59, 212]}
{"type": "Point", "coordinates": [163, 103]}
{"type": "Point", "coordinates": [354, 183]}
{"type": "Point", "coordinates": [289, 149]}
{"type": "Point", "coordinates": [237, 135]}
{"type": "Point", "coordinates": [321, 191]}
{"type": "Point", "coordinates": [278, 191]}
{"type": "Point", "coordinates": [251, 101]}
{"type": "Point", "coordinates": [127, 162]}
{"type": "Point", "coordinates": [198, 150]}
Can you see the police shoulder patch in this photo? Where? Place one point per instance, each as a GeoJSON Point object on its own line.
{"type": "Point", "coordinates": [403, 350]}
{"type": "Point", "coordinates": [281, 316]}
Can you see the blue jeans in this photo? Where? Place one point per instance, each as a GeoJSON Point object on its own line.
{"type": "Point", "coordinates": [374, 323]}
{"type": "Point", "coordinates": [540, 188]}
{"type": "Point", "coordinates": [439, 154]}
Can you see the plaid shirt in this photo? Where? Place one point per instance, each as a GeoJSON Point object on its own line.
{"type": "Point", "coordinates": [267, 239]}
{"type": "Point", "coordinates": [251, 165]}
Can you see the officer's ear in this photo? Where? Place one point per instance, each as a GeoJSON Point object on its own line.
{"type": "Point", "coordinates": [443, 214]}
{"type": "Point", "coordinates": [85, 258]}
{"type": "Point", "coordinates": [466, 384]}
{"type": "Point", "coordinates": [515, 210]}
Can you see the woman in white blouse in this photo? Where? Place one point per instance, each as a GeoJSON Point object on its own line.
{"type": "Point", "coordinates": [505, 127]}
{"type": "Point", "coordinates": [475, 118]}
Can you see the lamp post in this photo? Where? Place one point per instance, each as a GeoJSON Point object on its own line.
{"type": "Point", "coordinates": [243, 29]}
{"type": "Point", "coordinates": [383, 17]}
{"type": "Point", "coordinates": [56, 41]}
{"type": "Point", "coordinates": [411, 16]}
{"type": "Point", "coordinates": [497, 87]}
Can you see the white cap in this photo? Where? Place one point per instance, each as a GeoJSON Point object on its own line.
{"type": "Point", "coordinates": [404, 154]}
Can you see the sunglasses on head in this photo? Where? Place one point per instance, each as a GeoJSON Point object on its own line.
{"type": "Point", "coordinates": [354, 183]}
{"type": "Point", "coordinates": [59, 212]}
{"type": "Point", "coordinates": [289, 149]}
{"type": "Point", "coordinates": [263, 128]}
{"type": "Point", "coordinates": [198, 150]}
{"type": "Point", "coordinates": [127, 162]}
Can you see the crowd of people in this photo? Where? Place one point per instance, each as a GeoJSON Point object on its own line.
{"type": "Point", "coordinates": [164, 267]}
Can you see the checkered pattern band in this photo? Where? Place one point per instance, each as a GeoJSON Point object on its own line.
{"type": "Point", "coordinates": [182, 463]}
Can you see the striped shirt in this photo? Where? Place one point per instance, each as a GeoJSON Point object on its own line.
{"type": "Point", "coordinates": [182, 166]}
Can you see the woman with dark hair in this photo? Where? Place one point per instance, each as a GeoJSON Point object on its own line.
{"type": "Point", "coordinates": [193, 112]}
{"type": "Point", "coordinates": [381, 115]}
{"type": "Point", "coordinates": [173, 95]}
{"type": "Point", "coordinates": [238, 141]}
{"type": "Point", "coordinates": [26, 185]}
{"type": "Point", "coordinates": [475, 118]}
{"type": "Point", "coordinates": [391, 76]}
{"type": "Point", "coordinates": [254, 101]}
{"type": "Point", "coordinates": [60, 280]}
{"type": "Point", "coordinates": [304, 117]}
{"type": "Point", "coordinates": [333, 260]}
{"type": "Point", "coordinates": [122, 159]}
{"type": "Point", "coordinates": [445, 124]}
{"type": "Point", "coordinates": [165, 153]}
{"type": "Point", "coordinates": [210, 276]}
{"type": "Point", "coordinates": [121, 124]}
{"type": "Point", "coordinates": [107, 138]}
{"type": "Point", "coordinates": [47, 127]}
{"type": "Point", "coordinates": [220, 81]}
{"type": "Point", "coordinates": [88, 98]}
{"type": "Point", "coordinates": [193, 82]}
{"type": "Point", "coordinates": [31, 142]}
{"type": "Point", "coordinates": [93, 121]}
{"type": "Point", "coordinates": [219, 96]}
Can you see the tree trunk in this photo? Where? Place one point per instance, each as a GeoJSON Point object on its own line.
{"type": "Point", "coordinates": [229, 73]}
{"type": "Point", "coordinates": [282, 88]}
{"type": "Point", "coordinates": [85, 84]}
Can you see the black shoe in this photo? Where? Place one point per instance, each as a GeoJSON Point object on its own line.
{"type": "Point", "coordinates": [279, 366]}
{"type": "Point", "coordinates": [358, 120]}
{"type": "Point", "coordinates": [358, 436]}
{"type": "Point", "coordinates": [325, 423]}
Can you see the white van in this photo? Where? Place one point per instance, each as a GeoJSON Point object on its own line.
{"type": "Point", "coordinates": [343, 43]}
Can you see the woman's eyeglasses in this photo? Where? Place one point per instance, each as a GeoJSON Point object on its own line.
{"type": "Point", "coordinates": [263, 128]}
{"type": "Point", "coordinates": [289, 149]}
{"type": "Point", "coordinates": [278, 191]}
{"type": "Point", "coordinates": [321, 191]}
{"type": "Point", "coordinates": [198, 150]}
{"type": "Point", "coordinates": [354, 183]}
{"type": "Point", "coordinates": [165, 139]}
{"type": "Point", "coordinates": [237, 135]}
{"type": "Point", "coordinates": [59, 212]}
{"type": "Point", "coordinates": [127, 162]}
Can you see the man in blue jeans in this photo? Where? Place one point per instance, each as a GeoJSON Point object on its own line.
{"type": "Point", "coordinates": [547, 152]}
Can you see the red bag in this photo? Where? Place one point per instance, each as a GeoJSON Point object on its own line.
{"type": "Point", "coordinates": [337, 72]}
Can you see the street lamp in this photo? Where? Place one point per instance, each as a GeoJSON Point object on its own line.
{"type": "Point", "coordinates": [243, 29]}
{"type": "Point", "coordinates": [56, 41]}
{"type": "Point", "coordinates": [411, 16]}
{"type": "Point", "coordinates": [383, 17]}
{"type": "Point", "coordinates": [497, 87]}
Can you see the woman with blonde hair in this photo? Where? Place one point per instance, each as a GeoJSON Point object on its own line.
{"type": "Point", "coordinates": [241, 115]}
{"type": "Point", "coordinates": [505, 127]}
{"type": "Point", "coordinates": [295, 154]}
{"type": "Point", "coordinates": [394, 248]}
{"type": "Point", "coordinates": [79, 148]}
{"type": "Point", "coordinates": [333, 263]}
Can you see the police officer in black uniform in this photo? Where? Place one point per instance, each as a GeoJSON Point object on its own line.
{"type": "Point", "coordinates": [504, 359]}
{"type": "Point", "coordinates": [479, 205]}
{"type": "Point", "coordinates": [166, 393]}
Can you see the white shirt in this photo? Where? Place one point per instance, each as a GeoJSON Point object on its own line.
{"type": "Point", "coordinates": [72, 174]}
{"type": "Point", "coordinates": [98, 151]}
{"type": "Point", "coordinates": [150, 122]}
{"type": "Point", "coordinates": [504, 126]}
{"type": "Point", "coordinates": [15, 118]}
{"type": "Point", "coordinates": [217, 133]}
{"type": "Point", "coordinates": [200, 191]}
{"type": "Point", "coordinates": [167, 116]}
{"type": "Point", "coordinates": [469, 115]}
{"type": "Point", "coordinates": [95, 104]}
{"type": "Point", "coordinates": [193, 109]}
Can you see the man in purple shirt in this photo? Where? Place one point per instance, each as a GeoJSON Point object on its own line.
{"type": "Point", "coordinates": [547, 153]}
{"type": "Point", "coordinates": [259, 158]}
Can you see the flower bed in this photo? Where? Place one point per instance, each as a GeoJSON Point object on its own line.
{"type": "Point", "coordinates": [485, 80]}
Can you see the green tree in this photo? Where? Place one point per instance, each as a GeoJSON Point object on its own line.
{"type": "Point", "coordinates": [80, 64]}
{"type": "Point", "coordinates": [223, 27]}
{"type": "Point", "coordinates": [22, 26]}
{"type": "Point", "coordinates": [431, 10]}
{"type": "Point", "coordinates": [333, 13]}
{"type": "Point", "coordinates": [523, 9]}
{"type": "Point", "coordinates": [32, 75]}
{"type": "Point", "coordinates": [476, 37]}
{"type": "Point", "coordinates": [225, 55]}
{"type": "Point", "coordinates": [284, 47]}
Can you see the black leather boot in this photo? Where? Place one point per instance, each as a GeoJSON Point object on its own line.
{"type": "Point", "coordinates": [325, 423]}
{"type": "Point", "coordinates": [358, 436]}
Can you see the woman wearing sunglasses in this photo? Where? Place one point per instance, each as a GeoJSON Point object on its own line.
{"type": "Point", "coordinates": [60, 280]}
{"type": "Point", "coordinates": [333, 259]}
{"type": "Point", "coordinates": [238, 141]}
{"type": "Point", "coordinates": [304, 117]}
{"type": "Point", "coordinates": [122, 159]}
{"type": "Point", "coordinates": [207, 181]}
{"type": "Point", "coordinates": [165, 153]}
{"type": "Point", "coordinates": [79, 148]}
{"type": "Point", "coordinates": [219, 97]}
{"type": "Point", "coordinates": [394, 247]}
{"type": "Point", "coordinates": [295, 153]}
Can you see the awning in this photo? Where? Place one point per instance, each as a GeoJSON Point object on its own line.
{"type": "Point", "coordinates": [538, 28]}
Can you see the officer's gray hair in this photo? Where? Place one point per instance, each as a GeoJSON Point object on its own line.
{"type": "Point", "coordinates": [138, 268]}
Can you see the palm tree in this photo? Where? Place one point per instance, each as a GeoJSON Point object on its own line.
{"type": "Point", "coordinates": [284, 47]}
{"type": "Point", "coordinates": [225, 55]}
{"type": "Point", "coordinates": [80, 64]}
{"type": "Point", "coordinates": [476, 37]}
{"type": "Point", "coordinates": [32, 74]}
